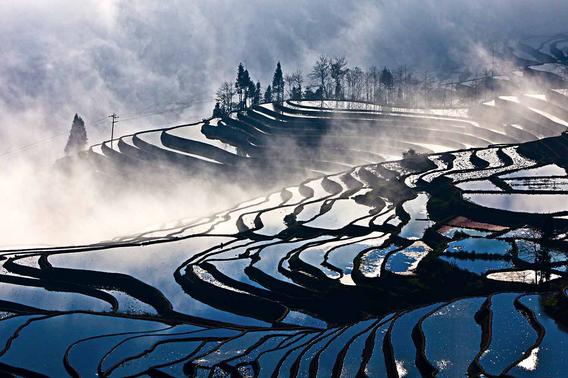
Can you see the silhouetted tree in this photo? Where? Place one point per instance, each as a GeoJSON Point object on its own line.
{"type": "Point", "coordinates": [225, 96]}
{"type": "Point", "coordinates": [427, 87]}
{"type": "Point", "coordinates": [244, 86]}
{"type": "Point", "coordinates": [278, 84]}
{"type": "Point", "coordinates": [268, 94]}
{"type": "Point", "coordinates": [251, 91]}
{"type": "Point", "coordinates": [310, 94]}
{"type": "Point", "coordinates": [257, 93]}
{"type": "Point", "coordinates": [387, 81]}
{"type": "Point", "coordinates": [217, 112]}
{"type": "Point", "coordinates": [298, 80]}
{"type": "Point", "coordinates": [289, 80]}
{"type": "Point", "coordinates": [355, 82]}
{"type": "Point", "coordinates": [77, 137]}
{"type": "Point", "coordinates": [240, 83]}
{"type": "Point", "coordinates": [411, 153]}
{"type": "Point", "coordinates": [371, 80]}
{"type": "Point", "coordinates": [332, 79]}
{"type": "Point", "coordinates": [337, 71]}
{"type": "Point", "coordinates": [320, 75]}
{"type": "Point", "coordinates": [296, 93]}
{"type": "Point", "coordinates": [414, 160]}
{"type": "Point", "coordinates": [247, 86]}
{"type": "Point", "coordinates": [294, 83]}
{"type": "Point", "coordinates": [398, 79]}
{"type": "Point", "coordinates": [386, 78]}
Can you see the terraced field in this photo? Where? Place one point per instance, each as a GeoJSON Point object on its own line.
{"type": "Point", "coordinates": [303, 139]}
{"type": "Point", "coordinates": [544, 57]}
{"type": "Point", "coordinates": [450, 262]}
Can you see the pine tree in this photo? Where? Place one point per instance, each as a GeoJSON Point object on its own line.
{"type": "Point", "coordinates": [278, 84]}
{"type": "Point", "coordinates": [251, 91]}
{"type": "Point", "coordinates": [387, 79]}
{"type": "Point", "coordinates": [246, 87]}
{"type": "Point", "coordinates": [239, 83]}
{"type": "Point", "coordinates": [77, 137]}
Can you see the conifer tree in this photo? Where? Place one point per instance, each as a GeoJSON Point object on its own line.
{"type": "Point", "coordinates": [387, 79]}
{"type": "Point", "coordinates": [239, 83]}
{"type": "Point", "coordinates": [278, 84]}
{"type": "Point", "coordinates": [77, 137]}
{"type": "Point", "coordinates": [246, 86]}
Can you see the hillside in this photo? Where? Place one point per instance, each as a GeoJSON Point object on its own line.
{"type": "Point", "coordinates": [387, 241]}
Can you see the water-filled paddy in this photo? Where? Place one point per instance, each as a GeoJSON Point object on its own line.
{"type": "Point", "coordinates": [476, 245]}
{"type": "Point", "coordinates": [526, 203]}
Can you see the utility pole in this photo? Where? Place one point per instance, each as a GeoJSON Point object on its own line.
{"type": "Point", "coordinates": [114, 117]}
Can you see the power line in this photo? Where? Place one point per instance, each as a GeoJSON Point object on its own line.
{"type": "Point", "coordinates": [165, 110]}
{"type": "Point", "coordinates": [114, 117]}
{"type": "Point", "coordinates": [31, 145]}
{"type": "Point", "coordinates": [160, 107]}
{"type": "Point", "coordinates": [99, 121]}
{"type": "Point", "coordinates": [133, 116]}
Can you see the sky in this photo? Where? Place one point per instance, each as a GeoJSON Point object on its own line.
{"type": "Point", "coordinates": [96, 57]}
{"type": "Point", "coordinates": [142, 59]}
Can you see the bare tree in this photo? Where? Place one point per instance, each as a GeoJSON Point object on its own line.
{"type": "Point", "coordinates": [298, 80]}
{"type": "Point", "coordinates": [427, 87]}
{"type": "Point", "coordinates": [357, 85]}
{"type": "Point", "coordinates": [225, 95]}
{"type": "Point", "coordinates": [320, 75]}
{"type": "Point", "coordinates": [294, 83]}
{"type": "Point", "coordinates": [374, 83]}
{"type": "Point", "coordinates": [411, 85]}
{"type": "Point", "coordinates": [387, 81]}
{"type": "Point", "coordinates": [338, 69]}
{"type": "Point", "coordinates": [538, 253]}
{"type": "Point", "coordinates": [368, 86]}
{"type": "Point", "coordinates": [398, 83]}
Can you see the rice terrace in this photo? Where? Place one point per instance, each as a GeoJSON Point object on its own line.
{"type": "Point", "coordinates": [409, 219]}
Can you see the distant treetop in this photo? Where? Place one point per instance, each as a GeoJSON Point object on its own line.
{"type": "Point", "coordinates": [77, 137]}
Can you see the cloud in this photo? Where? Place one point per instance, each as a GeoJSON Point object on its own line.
{"type": "Point", "coordinates": [96, 57]}
{"type": "Point", "coordinates": [135, 58]}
